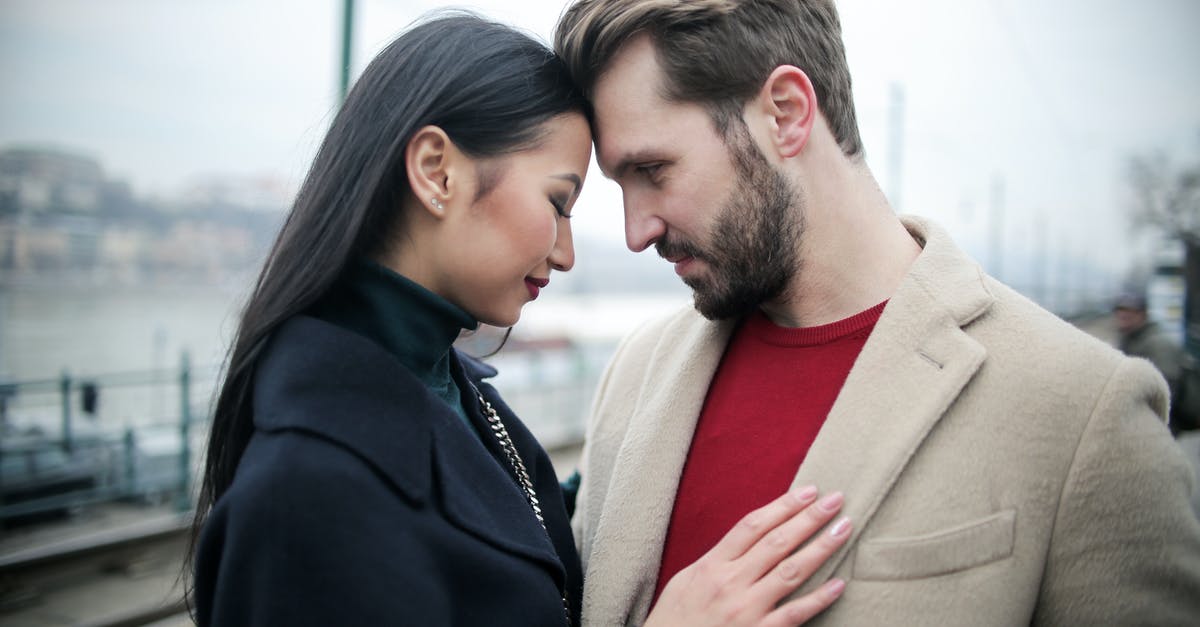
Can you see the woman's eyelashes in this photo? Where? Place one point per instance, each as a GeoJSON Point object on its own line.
{"type": "Point", "coordinates": [560, 206]}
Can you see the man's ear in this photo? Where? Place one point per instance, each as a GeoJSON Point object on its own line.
{"type": "Point", "coordinates": [790, 102]}
{"type": "Point", "coordinates": [427, 160]}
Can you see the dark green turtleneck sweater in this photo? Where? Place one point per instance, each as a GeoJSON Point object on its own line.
{"type": "Point", "coordinates": [409, 321]}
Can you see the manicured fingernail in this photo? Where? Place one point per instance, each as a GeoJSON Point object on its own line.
{"type": "Point", "coordinates": [834, 587]}
{"type": "Point", "coordinates": [831, 502]}
{"type": "Point", "coordinates": [806, 494]}
{"type": "Point", "coordinates": [840, 528]}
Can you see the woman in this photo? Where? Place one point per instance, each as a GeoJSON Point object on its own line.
{"type": "Point", "coordinates": [359, 470]}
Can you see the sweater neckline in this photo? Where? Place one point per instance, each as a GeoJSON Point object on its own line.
{"type": "Point", "coordinates": [857, 325]}
{"type": "Point", "coordinates": [417, 326]}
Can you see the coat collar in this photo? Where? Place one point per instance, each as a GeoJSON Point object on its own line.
{"type": "Point", "coordinates": [914, 364]}
{"type": "Point", "coordinates": [321, 379]}
{"type": "Point", "coordinates": [334, 384]}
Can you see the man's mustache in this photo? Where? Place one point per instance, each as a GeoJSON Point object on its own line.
{"type": "Point", "coordinates": [669, 248]}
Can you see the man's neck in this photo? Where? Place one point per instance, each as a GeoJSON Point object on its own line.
{"type": "Point", "coordinates": [853, 254]}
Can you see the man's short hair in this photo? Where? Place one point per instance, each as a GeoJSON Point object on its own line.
{"type": "Point", "coordinates": [718, 53]}
{"type": "Point", "coordinates": [1130, 301]}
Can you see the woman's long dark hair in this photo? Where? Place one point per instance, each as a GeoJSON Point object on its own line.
{"type": "Point", "coordinates": [488, 86]}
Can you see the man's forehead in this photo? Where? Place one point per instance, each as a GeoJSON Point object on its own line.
{"type": "Point", "coordinates": [631, 82]}
{"type": "Point", "coordinates": [629, 106]}
{"type": "Point", "coordinates": [632, 131]}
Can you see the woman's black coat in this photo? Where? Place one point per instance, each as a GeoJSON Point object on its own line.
{"type": "Point", "coordinates": [362, 499]}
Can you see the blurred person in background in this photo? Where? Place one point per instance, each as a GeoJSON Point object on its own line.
{"type": "Point", "coordinates": [359, 470]}
{"type": "Point", "coordinates": [1139, 336]}
{"type": "Point", "coordinates": [1001, 466]}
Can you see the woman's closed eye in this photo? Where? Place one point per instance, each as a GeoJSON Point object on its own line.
{"type": "Point", "coordinates": [560, 206]}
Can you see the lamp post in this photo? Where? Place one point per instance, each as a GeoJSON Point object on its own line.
{"type": "Point", "coordinates": [347, 37]}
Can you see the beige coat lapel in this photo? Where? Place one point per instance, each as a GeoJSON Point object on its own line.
{"type": "Point", "coordinates": [637, 510]}
{"type": "Point", "coordinates": [913, 366]}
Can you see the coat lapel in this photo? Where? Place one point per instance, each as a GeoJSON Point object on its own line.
{"type": "Point", "coordinates": [637, 510]}
{"type": "Point", "coordinates": [481, 497]}
{"type": "Point", "coordinates": [914, 365]}
{"type": "Point", "coordinates": [472, 462]}
{"type": "Point", "coordinates": [336, 384]}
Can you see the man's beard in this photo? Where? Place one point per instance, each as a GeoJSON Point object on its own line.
{"type": "Point", "coordinates": [751, 256]}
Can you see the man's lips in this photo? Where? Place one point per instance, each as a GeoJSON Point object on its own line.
{"type": "Point", "coordinates": [682, 262]}
{"type": "Point", "coordinates": [677, 252]}
{"type": "Point", "coordinates": [535, 285]}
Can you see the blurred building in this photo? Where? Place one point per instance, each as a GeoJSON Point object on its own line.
{"type": "Point", "coordinates": [63, 219]}
{"type": "Point", "coordinates": [46, 180]}
{"type": "Point", "coordinates": [252, 192]}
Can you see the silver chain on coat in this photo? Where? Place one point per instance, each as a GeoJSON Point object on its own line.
{"type": "Point", "coordinates": [518, 468]}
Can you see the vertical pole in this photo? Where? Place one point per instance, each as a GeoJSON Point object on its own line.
{"type": "Point", "coordinates": [1065, 286]}
{"type": "Point", "coordinates": [1191, 297]}
{"type": "Point", "coordinates": [896, 146]}
{"type": "Point", "coordinates": [580, 391]}
{"type": "Point", "coordinates": [64, 385]}
{"type": "Point", "coordinates": [996, 229]}
{"type": "Point", "coordinates": [347, 37]}
{"type": "Point", "coordinates": [184, 500]}
{"type": "Point", "coordinates": [130, 463]}
{"type": "Point", "coordinates": [1038, 273]}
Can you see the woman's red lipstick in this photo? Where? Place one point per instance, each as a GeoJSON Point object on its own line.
{"type": "Point", "coordinates": [535, 286]}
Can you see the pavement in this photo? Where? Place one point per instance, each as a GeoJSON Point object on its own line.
{"type": "Point", "coordinates": [90, 591]}
{"type": "Point", "coordinates": [107, 594]}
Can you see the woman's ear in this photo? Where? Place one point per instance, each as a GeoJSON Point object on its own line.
{"type": "Point", "coordinates": [428, 162]}
{"type": "Point", "coordinates": [790, 103]}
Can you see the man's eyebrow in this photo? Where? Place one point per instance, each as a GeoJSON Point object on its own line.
{"type": "Point", "coordinates": [628, 159]}
{"type": "Point", "coordinates": [573, 179]}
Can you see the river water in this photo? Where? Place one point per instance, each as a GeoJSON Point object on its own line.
{"type": "Point", "coordinates": [91, 333]}
{"type": "Point", "coordinates": [110, 335]}
{"type": "Point", "coordinates": [87, 331]}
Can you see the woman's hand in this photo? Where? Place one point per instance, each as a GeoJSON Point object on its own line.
{"type": "Point", "coordinates": [744, 576]}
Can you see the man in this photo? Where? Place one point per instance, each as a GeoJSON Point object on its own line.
{"type": "Point", "coordinates": [1138, 336]}
{"type": "Point", "coordinates": [1000, 467]}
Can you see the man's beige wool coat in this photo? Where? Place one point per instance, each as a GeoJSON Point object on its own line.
{"type": "Point", "coordinates": [1000, 466]}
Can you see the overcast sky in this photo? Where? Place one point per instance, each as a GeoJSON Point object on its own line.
{"type": "Point", "coordinates": [1048, 96]}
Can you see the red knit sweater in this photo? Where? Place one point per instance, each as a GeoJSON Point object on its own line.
{"type": "Point", "coordinates": [767, 401]}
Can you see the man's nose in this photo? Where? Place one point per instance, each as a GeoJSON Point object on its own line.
{"type": "Point", "coordinates": [643, 226]}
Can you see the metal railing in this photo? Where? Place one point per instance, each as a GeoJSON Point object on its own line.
{"type": "Point", "coordinates": [70, 442]}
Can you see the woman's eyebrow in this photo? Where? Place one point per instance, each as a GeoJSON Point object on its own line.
{"type": "Point", "coordinates": [572, 178]}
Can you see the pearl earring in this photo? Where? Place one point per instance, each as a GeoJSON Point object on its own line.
{"type": "Point", "coordinates": [437, 204]}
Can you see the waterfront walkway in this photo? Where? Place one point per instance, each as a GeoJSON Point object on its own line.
{"type": "Point", "coordinates": [110, 594]}
{"type": "Point", "coordinates": [96, 567]}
